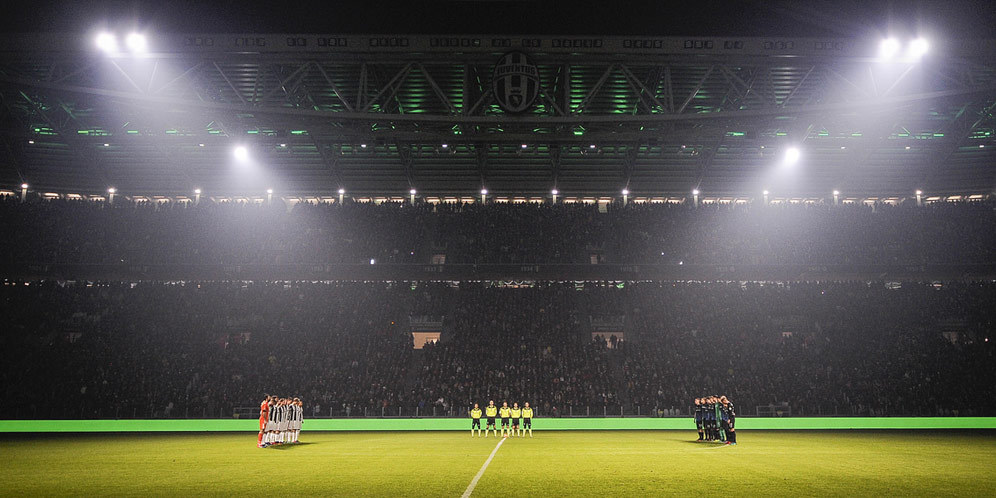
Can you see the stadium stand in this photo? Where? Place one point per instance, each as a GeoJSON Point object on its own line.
{"type": "Point", "coordinates": [203, 349]}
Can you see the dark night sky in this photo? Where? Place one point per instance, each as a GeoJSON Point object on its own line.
{"type": "Point", "coordinates": [844, 18]}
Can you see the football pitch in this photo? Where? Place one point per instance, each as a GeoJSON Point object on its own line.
{"type": "Point", "coordinates": [555, 463]}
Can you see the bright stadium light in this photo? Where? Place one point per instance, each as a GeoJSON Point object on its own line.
{"type": "Point", "coordinates": [836, 192]}
{"type": "Point", "coordinates": [484, 191]}
{"type": "Point", "coordinates": [444, 146]}
{"type": "Point", "coordinates": [241, 153]}
{"type": "Point", "coordinates": [373, 261]}
{"type": "Point", "coordinates": [107, 145]}
{"type": "Point", "coordinates": [197, 191]}
{"type": "Point", "coordinates": [918, 48]}
{"type": "Point", "coordinates": [112, 190]}
{"type": "Point", "coordinates": [363, 146]}
{"type": "Point", "coordinates": [592, 146]}
{"type": "Point", "coordinates": [524, 146]}
{"type": "Point", "coordinates": [107, 42]}
{"type": "Point", "coordinates": [342, 191]}
{"type": "Point", "coordinates": [283, 145]}
{"type": "Point", "coordinates": [136, 43]}
{"type": "Point", "coordinates": [200, 145]}
{"type": "Point", "coordinates": [908, 147]}
{"type": "Point", "coordinates": [24, 186]}
{"type": "Point", "coordinates": [888, 48]}
{"type": "Point", "coordinates": [412, 191]}
{"type": "Point", "coordinates": [31, 142]}
{"type": "Point", "coordinates": [625, 191]}
{"type": "Point", "coordinates": [554, 191]}
{"type": "Point", "coordinates": [919, 192]}
{"type": "Point", "coordinates": [695, 192]}
{"type": "Point", "coordinates": [792, 155]}
{"type": "Point", "coordinates": [765, 192]}
{"type": "Point", "coordinates": [269, 191]}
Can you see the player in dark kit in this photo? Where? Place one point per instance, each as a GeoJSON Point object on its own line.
{"type": "Point", "coordinates": [729, 419]}
{"type": "Point", "coordinates": [708, 419]}
{"type": "Point", "coordinates": [698, 417]}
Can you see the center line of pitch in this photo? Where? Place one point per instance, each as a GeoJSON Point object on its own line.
{"type": "Point", "coordinates": [473, 484]}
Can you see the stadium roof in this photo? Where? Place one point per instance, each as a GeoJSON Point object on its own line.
{"type": "Point", "coordinates": [382, 114]}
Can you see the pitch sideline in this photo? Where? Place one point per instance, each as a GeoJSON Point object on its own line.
{"type": "Point", "coordinates": [473, 483]}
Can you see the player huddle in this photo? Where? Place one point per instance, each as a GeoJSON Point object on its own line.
{"type": "Point", "coordinates": [279, 421]}
{"type": "Point", "coordinates": [514, 420]}
{"type": "Point", "coordinates": [715, 418]}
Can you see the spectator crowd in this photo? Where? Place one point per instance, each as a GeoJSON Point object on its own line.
{"type": "Point", "coordinates": [204, 349]}
{"type": "Point", "coordinates": [81, 232]}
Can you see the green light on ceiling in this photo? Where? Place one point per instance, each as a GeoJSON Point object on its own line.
{"type": "Point", "coordinates": [735, 134]}
{"type": "Point", "coordinates": [781, 134]}
{"type": "Point", "coordinates": [83, 132]}
{"type": "Point", "coordinates": [856, 134]}
{"type": "Point", "coordinates": [171, 132]}
{"type": "Point", "coordinates": [938, 135]}
{"type": "Point", "coordinates": [299, 132]}
{"type": "Point", "coordinates": [578, 131]}
{"type": "Point", "coordinates": [132, 132]}
{"type": "Point", "coordinates": [252, 132]}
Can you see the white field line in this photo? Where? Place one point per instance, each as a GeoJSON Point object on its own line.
{"type": "Point", "coordinates": [473, 484]}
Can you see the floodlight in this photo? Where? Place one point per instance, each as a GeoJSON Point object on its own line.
{"type": "Point", "coordinates": [843, 147]}
{"type": "Point", "coordinates": [363, 146]}
{"type": "Point", "coordinates": [342, 191]}
{"type": "Point", "coordinates": [919, 192]}
{"type": "Point", "coordinates": [24, 186]}
{"type": "Point", "coordinates": [107, 145]}
{"type": "Point", "coordinates": [31, 142]}
{"type": "Point", "coordinates": [907, 147]}
{"type": "Point", "coordinates": [269, 191]}
{"type": "Point", "coordinates": [524, 146]}
{"type": "Point", "coordinates": [592, 146]}
{"type": "Point", "coordinates": [765, 192]}
{"type": "Point", "coordinates": [836, 192]}
{"type": "Point", "coordinates": [112, 190]}
{"type": "Point", "coordinates": [107, 42]}
{"type": "Point", "coordinates": [197, 191]}
{"type": "Point", "coordinates": [484, 191]}
{"type": "Point", "coordinates": [200, 145]}
{"type": "Point", "coordinates": [444, 146]}
{"type": "Point", "coordinates": [695, 192]}
{"type": "Point", "coordinates": [554, 191]}
{"type": "Point", "coordinates": [982, 146]}
{"type": "Point", "coordinates": [241, 153]}
{"type": "Point", "coordinates": [136, 43]}
{"type": "Point", "coordinates": [283, 145]}
{"type": "Point", "coordinates": [373, 261]}
{"type": "Point", "coordinates": [918, 48]}
{"type": "Point", "coordinates": [792, 155]}
{"type": "Point", "coordinates": [888, 47]}
{"type": "Point", "coordinates": [625, 191]}
{"type": "Point", "coordinates": [412, 191]}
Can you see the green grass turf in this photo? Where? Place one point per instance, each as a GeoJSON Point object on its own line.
{"type": "Point", "coordinates": [574, 463]}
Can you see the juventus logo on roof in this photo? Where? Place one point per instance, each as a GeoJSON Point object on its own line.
{"type": "Point", "coordinates": [515, 82]}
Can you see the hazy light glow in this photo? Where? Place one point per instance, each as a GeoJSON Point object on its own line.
{"type": "Point", "coordinates": [695, 192]}
{"type": "Point", "coordinates": [269, 191]}
{"type": "Point", "coordinates": [484, 191]}
{"type": "Point", "coordinates": [412, 191]}
{"type": "Point", "coordinates": [919, 192]}
{"type": "Point", "coordinates": [241, 153]}
{"type": "Point", "coordinates": [445, 146]}
{"type": "Point", "coordinates": [31, 142]}
{"type": "Point", "coordinates": [136, 43]}
{"type": "Point", "coordinates": [107, 42]}
{"type": "Point", "coordinates": [200, 145]}
{"type": "Point", "coordinates": [836, 192]}
{"type": "Point", "coordinates": [342, 191]}
{"type": "Point", "coordinates": [197, 191]}
{"type": "Point", "coordinates": [554, 191]}
{"type": "Point", "coordinates": [524, 146]}
{"type": "Point", "coordinates": [373, 261]}
{"type": "Point", "coordinates": [765, 192]}
{"type": "Point", "coordinates": [625, 191]}
{"type": "Point", "coordinates": [112, 190]}
{"type": "Point", "coordinates": [918, 48]}
{"type": "Point", "coordinates": [792, 155]}
{"type": "Point", "coordinates": [107, 145]}
{"type": "Point", "coordinates": [888, 48]}
{"type": "Point", "coordinates": [24, 185]}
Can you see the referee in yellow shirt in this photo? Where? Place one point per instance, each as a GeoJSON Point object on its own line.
{"type": "Point", "coordinates": [516, 415]}
{"type": "Point", "coordinates": [527, 419]}
{"type": "Point", "coordinates": [504, 413]}
{"type": "Point", "coordinates": [475, 417]}
{"type": "Point", "coordinates": [491, 411]}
